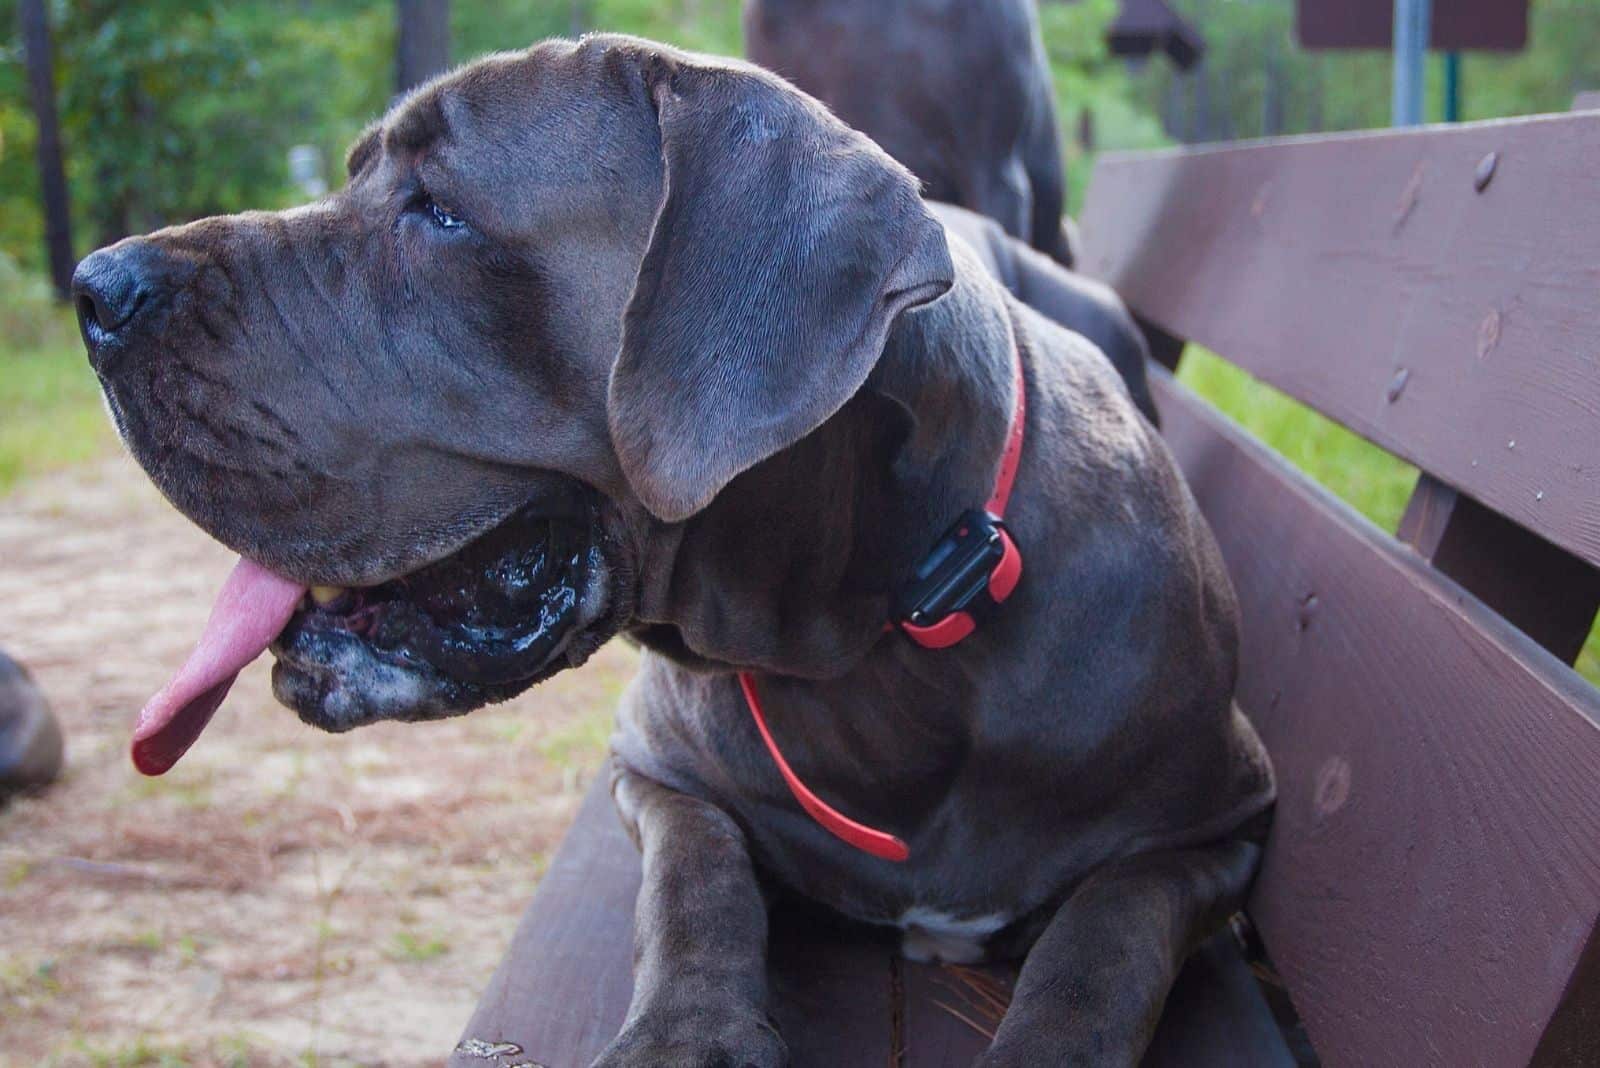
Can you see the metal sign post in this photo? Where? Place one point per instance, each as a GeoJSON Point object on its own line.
{"type": "Point", "coordinates": [1411, 21]}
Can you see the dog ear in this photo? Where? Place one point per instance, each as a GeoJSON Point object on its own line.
{"type": "Point", "coordinates": [784, 247]}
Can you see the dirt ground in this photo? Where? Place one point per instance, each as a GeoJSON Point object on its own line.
{"type": "Point", "coordinates": [283, 896]}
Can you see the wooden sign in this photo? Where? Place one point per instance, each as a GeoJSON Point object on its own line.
{"type": "Point", "coordinates": [1458, 25]}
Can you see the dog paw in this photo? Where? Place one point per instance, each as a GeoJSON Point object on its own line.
{"type": "Point", "coordinates": [694, 1039]}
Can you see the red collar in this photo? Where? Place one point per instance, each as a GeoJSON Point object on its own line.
{"type": "Point", "coordinates": [968, 574]}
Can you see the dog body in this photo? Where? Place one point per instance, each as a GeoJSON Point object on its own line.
{"type": "Point", "coordinates": [957, 91]}
{"type": "Point", "coordinates": [30, 738]}
{"type": "Point", "coordinates": [1074, 300]}
{"type": "Point", "coordinates": [605, 338]}
{"type": "Point", "coordinates": [1056, 723]}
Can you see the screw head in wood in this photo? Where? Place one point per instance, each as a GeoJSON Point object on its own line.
{"type": "Point", "coordinates": [1485, 172]}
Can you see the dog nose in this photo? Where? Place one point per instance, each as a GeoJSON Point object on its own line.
{"type": "Point", "coordinates": [110, 287]}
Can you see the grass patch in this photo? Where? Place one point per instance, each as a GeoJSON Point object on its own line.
{"type": "Point", "coordinates": [1356, 471]}
{"type": "Point", "coordinates": [27, 982]}
{"type": "Point", "coordinates": [582, 743]}
{"type": "Point", "coordinates": [1589, 659]}
{"type": "Point", "coordinates": [50, 412]}
{"type": "Point", "coordinates": [141, 1053]}
{"type": "Point", "coordinates": [405, 945]}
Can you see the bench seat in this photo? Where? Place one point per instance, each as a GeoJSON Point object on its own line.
{"type": "Point", "coordinates": [1430, 893]}
{"type": "Point", "coordinates": [842, 1000]}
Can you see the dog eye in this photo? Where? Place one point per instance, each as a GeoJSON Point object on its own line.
{"type": "Point", "coordinates": [443, 218]}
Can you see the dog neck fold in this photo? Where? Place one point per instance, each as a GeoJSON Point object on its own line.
{"type": "Point", "coordinates": [869, 840]}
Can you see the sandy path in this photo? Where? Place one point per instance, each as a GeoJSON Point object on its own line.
{"type": "Point", "coordinates": [282, 897]}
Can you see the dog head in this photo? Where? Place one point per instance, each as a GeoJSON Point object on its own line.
{"type": "Point", "coordinates": [566, 296]}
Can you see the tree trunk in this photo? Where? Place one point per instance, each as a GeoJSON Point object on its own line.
{"type": "Point", "coordinates": [35, 28]}
{"type": "Point", "coordinates": [1200, 122]}
{"type": "Point", "coordinates": [1272, 97]}
{"type": "Point", "coordinates": [1175, 106]}
{"type": "Point", "coordinates": [423, 47]}
{"type": "Point", "coordinates": [581, 19]}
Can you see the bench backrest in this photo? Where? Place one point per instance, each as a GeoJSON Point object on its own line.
{"type": "Point", "coordinates": [1431, 890]}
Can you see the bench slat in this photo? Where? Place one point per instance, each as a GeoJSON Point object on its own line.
{"type": "Point", "coordinates": [1367, 276]}
{"type": "Point", "coordinates": [562, 990]}
{"type": "Point", "coordinates": [1215, 1017]}
{"type": "Point", "coordinates": [1434, 871]}
{"type": "Point", "coordinates": [832, 993]}
{"type": "Point", "coordinates": [1544, 591]}
{"type": "Point", "coordinates": [934, 1038]}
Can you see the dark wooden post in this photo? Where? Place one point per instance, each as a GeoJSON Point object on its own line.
{"type": "Point", "coordinates": [422, 48]}
{"type": "Point", "coordinates": [1165, 348]}
{"type": "Point", "coordinates": [1548, 593]}
{"type": "Point", "coordinates": [35, 27]}
{"type": "Point", "coordinates": [1086, 136]}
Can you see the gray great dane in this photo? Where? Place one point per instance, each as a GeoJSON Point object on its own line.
{"type": "Point", "coordinates": [958, 91]}
{"type": "Point", "coordinates": [604, 338]}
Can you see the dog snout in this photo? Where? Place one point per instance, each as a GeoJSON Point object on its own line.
{"type": "Point", "coordinates": [112, 288]}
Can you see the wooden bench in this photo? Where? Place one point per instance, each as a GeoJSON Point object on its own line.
{"type": "Point", "coordinates": [1432, 884]}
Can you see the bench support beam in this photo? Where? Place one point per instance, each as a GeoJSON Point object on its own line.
{"type": "Point", "coordinates": [1544, 591]}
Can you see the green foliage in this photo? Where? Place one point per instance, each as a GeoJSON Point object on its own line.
{"type": "Point", "coordinates": [21, 225]}
{"type": "Point", "coordinates": [142, 88]}
{"type": "Point", "coordinates": [172, 109]}
{"type": "Point", "coordinates": [1563, 59]}
{"type": "Point", "coordinates": [1364, 476]}
{"type": "Point", "coordinates": [700, 25]}
{"type": "Point", "coordinates": [409, 946]}
{"type": "Point", "coordinates": [49, 401]}
{"type": "Point", "coordinates": [29, 318]}
{"type": "Point", "coordinates": [50, 414]}
{"type": "Point", "coordinates": [479, 26]}
{"type": "Point", "coordinates": [1359, 473]}
{"type": "Point", "coordinates": [1256, 81]}
{"type": "Point", "coordinates": [1089, 79]}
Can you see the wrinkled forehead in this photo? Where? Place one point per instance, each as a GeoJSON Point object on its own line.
{"type": "Point", "coordinates": [560, 115]}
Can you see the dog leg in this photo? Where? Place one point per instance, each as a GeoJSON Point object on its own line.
{"type": "Point", "coordinates": [700, 940]}
{"type": "Point", "coordinates": [1093, 986]}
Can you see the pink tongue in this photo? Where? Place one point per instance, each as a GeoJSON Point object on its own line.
{"type": "Point", "coordinates": [253, 606]}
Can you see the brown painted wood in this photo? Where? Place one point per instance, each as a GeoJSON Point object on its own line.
{"type": "Point", "coordinates": [1548, 593]}
{"type": "Point", "coordinates": [1165, 349]}
{"type": "Point", "coordinates": [1368, 276]}
{"type": "Point", "coordinates": [1433, 875]}
{"type": "Point", "coordinates": [1456, 25]}
{"type": "Point", "coordinates": [1145, 27]}
{"type": "Point", "coordinates": [934, 1036]}
{"type": "Point", "coordinates": [562, 991]}
{"type": "Point", "coordinates": [1215, 1016]}
{"type": "Point", "coordinates": [1573, 1038]}
{"type": "Point", "coordinates": [832, 992]}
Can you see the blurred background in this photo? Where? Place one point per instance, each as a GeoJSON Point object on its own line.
{"type": "Point", "coordinates": [284, 898]}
